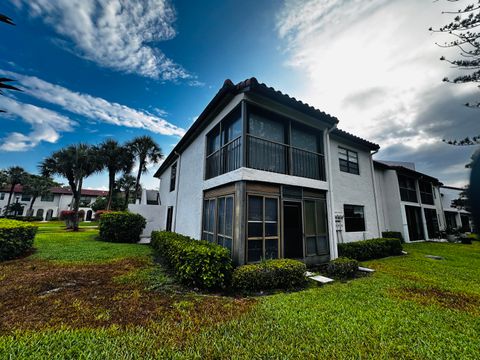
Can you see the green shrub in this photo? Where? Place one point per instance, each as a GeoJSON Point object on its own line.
{"type": "Point", "coordinates": [16, 238]}
{"type": "Point", "coordinates": [342, 268]}
{"type": "Point", "coordinates": [393, 235]}
{"type": "Point", "coordinates": [23, 218]}
{"type": "Point", "coordinates": [270, 274]}
{"type": "Point", "coordinates": [196, 263]}
{"type": "Point", "coordinates": [370, 249]}
{"type": "Point", "coordinates": [121, 227]}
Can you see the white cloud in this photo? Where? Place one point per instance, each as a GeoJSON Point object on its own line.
{"type": "Point", "coordinates": [375, 66]}
{"type": "Point", "coordinates": [93, 108]}
{"type": "Point", "coordinates": [46, 125]}
{"type": "Point", "coordinates": [117, 34]}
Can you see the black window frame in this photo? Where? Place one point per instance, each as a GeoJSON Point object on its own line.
{"type": "Point", "coordinates": [173, 176]}
{"type": "Point", "coordinates": [426, 192]}
{"type": "Point", "coordinates": [408, 188]}
{"type": "Point", "coordinates": [168, 225]}
{"type": "Point", "coordinates": [349, 227]}
{"type": "Point", "coordinates": [348, 166]}
{"type": "Point", "coordinates": [213, 234]}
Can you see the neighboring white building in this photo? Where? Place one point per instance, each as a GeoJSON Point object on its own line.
{"type": "Point", "coordinates": [268, 176]}
{"type": "Point", "coordinates": [51, 205]}
{"type": "Point", "coordinates": [455, 216]}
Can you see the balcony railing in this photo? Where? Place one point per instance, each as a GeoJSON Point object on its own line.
{"type": "Point", "coordinates": [285, 159]}
{"type": "Point", "coordinates": [225, 159]}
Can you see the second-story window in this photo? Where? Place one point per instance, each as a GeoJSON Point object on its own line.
{"type": "Point", "coordinates": [408, 191]}
{"type": "Point", "coordinates": [47, 197]}
{"type": "Point", "coordinates": [173, 176]}
{"type": "Point", "coordinates": [224, 145]}
{"type": "Point", "coordinates": [26, 197]}
{"type": "Point", "coordinates": [348, 160]}
{"type": "Point", "coordinates": [426, 192]}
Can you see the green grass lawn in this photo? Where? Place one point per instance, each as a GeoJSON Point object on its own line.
{"type": "Point", "coordinates": [412, 307]}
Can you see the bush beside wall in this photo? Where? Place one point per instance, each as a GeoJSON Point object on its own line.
{"type": "Point", "coordinates": [121, 227]}
{"type": "Point", "coordinates": [393, 235]}
{"type": "Point", "coordinates": [370, 249]}
{"type": "Point", "coordinates": [16, 238]}
{"type": "Point", "coordinates": [342, 268]}
{"type": "Point", "coordinates": [23, 218]}
{"type": "Point", "coordinates": [196, 263]}
{"type": "Point", "coordinates": [269, 275]}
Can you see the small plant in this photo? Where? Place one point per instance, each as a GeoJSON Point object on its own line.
{"type": "Point", "coordinates": [121, 227]}
{"type": "Point", "coordinates": [196, 263]}
{"type": "Point", "coordinates": [16, 238]}
{"type": "Point", "coordinates": [342, 267]}
{"type": "Point", "coordinates": [370, 249]}
{"type": "Point", "coordinates": [269, 275]}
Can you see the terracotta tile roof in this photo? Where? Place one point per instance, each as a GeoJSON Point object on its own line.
{"type": "Point", "coordinates": [353, 138]}
{"type": "Point", "coordinates": [60, 190]}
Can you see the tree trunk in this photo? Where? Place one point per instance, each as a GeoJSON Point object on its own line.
{"type": "Point", "coordinates": [32, 202]}
{"type": "Point", "coordinates": [111, 184]}
{"type": "Point", "coordinates": [10, 198]}
{"type": "Point", "coordinates": [127, 195]}
{"type": "Point", "coordinates": [137, 183]}
{"type": "Point", "coordinates": [77, 205]}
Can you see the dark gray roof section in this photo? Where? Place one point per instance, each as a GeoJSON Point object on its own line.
{"type": "Point", "coordinates": [341, 134]}
{"type": "Point", "coordinates": [405, 170]}
{"type": "Point", "coordinates": [223, 96]}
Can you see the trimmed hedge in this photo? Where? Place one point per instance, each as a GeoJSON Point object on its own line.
{"type": "Point", "coordinates": [23, 218]}
{"type": "Point", "coordinates": [269, 275]}
{"type": "Point", "coordinates": [370, 249]}
{"type": "Point", "coordinates": [196, 263]}
{"type": "Point", "coordinates": [342, 267]}
{"type": "Point", "coordinates": [121, 227]}
{"type": "Point", "coordinates": [16, 238]}
{"type": "Point", "coordinates": [393, 235]}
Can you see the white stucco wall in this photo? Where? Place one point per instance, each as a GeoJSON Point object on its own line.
{"type": "Point", "coordinates": [152, 213]}
{"type": "Point", "coordinates": [354, 189]}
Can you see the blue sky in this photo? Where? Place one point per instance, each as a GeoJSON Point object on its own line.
{"type": "Point", "coordinates": [96, 69]}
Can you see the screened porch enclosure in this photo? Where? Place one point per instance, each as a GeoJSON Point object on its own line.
{"type": "Point", "coordinates": [259, 139]}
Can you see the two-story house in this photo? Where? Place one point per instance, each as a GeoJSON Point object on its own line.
{"type": "Point", "coordinates": [51, 205]}
{"type": "Point", "coordinates": [456, 214]}
{"type": "Point", "coordinates": [268, 176]}
{"type": "Point", "coordinates": [409, 201]}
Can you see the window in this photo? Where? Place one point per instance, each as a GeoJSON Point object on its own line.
{"type": "Point", "coordinates": [2, 195]}
{"type": "Point", "coordinates": [262, 228]}
{"type": "Point", "coordinates": [316, 238]}
{"type": "Point", "coordinates": [348, 161]}
{"type": "Point", "coordinates": [426, 192]}
{"type": "Point", "coordinates": [168, 226]}
{"type": "Point", "coordinates": [218, 221]}
{"type": "Point", "coordinates": [47, 197]}
{"type": "Point", "coordinates": [354, 218]}
{"type": "Point", "coordinates": [224, 145]}
{"type": "Point", "coordinates": [173, 176]}
{"type": "Point", "coordinates": [408, 191]}
{"type": "Point", "coordinates": [85, 201]}
{"type": "Point", "coordinates": [25, 197]}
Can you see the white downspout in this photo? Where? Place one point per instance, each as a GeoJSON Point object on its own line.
{"type": "Point", "coordinates": [177, 190]}
{"type": "Point", "coordinates": [333, 245]}
{"type": "Point", "coordinates": [375, 192]}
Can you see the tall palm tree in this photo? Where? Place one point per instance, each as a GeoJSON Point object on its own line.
{"type": "Point", "coordinates": [145, 150]}
{"type": "Point", "coordinates": [126, 184]}
{"type": "Point", "coordinates": [6, 19]}
{"type": "Point", "coordinates": [3, 81]}
{"type": "Point", "coordinates": [115, 158]}
{"type": "Point", "coordinates": [75, 163]}
{"type": "Point", "coordinates": [37, 186]}
{"type": "Point", "coordinates": [15, 175]}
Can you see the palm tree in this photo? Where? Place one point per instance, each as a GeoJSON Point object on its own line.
{"type": "Point", "coordinates": [7, 20]}
{"type": "Point", "coordinates": [15, 175]}
{"type": "Point", "coordinates": [75, 163]}
{"type": "Point", "coordinates": [37, 186]}
{"type": "Point", "coordinates": [115, 159]}
{"type": "Point", "coordinates": [126, 184]}
{"type": "Point", "coordinates": [146, 150]}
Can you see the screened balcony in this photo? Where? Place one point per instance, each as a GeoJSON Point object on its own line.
{"type": "Point", "coordinates": [272, 143]}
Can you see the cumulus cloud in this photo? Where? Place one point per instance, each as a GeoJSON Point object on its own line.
{"type": "Point", "coordinates": [117, 34]}
{"type": "Point", "coordinates": [46, 125]}
{"type": "Point", "coordinates": [375, 66]}
{"type": "Point", "coordinates": [94, 108]}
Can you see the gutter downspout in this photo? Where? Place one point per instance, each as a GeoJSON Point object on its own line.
{"type": "Point", "coordinates": [375, 192]}
{"type": "Point", "coordinates": [334, 253]}
{"type": "Point", "coordinates": [177, 187]}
